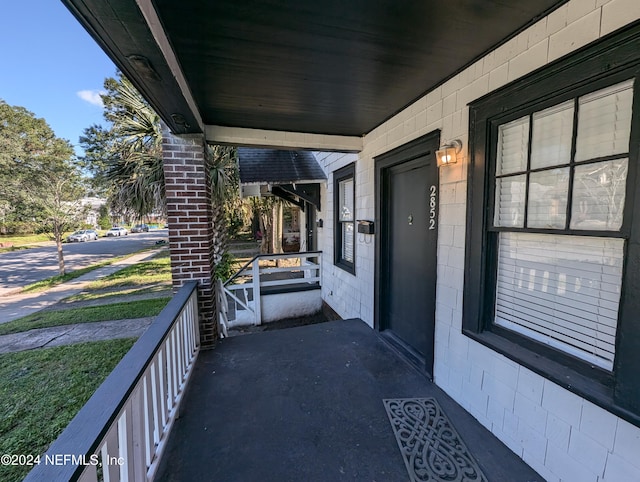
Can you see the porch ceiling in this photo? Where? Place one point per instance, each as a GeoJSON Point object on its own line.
{"type": "Point", "coordinates": [323, 67]}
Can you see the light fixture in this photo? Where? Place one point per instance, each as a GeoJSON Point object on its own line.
{"type": "Point", "coordinates": [180, 121]}
{"type": "Point", "coordinates": [143, 66]}
{"type": "Point", "coordinates": [448, 154]}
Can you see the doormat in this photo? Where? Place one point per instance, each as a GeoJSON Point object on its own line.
{"type": "Point", "coordinates": [431, 448]}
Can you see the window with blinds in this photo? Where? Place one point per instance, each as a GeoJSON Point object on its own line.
{"type": "Point", "coordinates": [561, 290]}
{"type": "Point", "coordinates": [560, 189]}
{"type": "Point", "coordinates": [347, 219]}
{"type": "Point", "coordinates": [344, 218]}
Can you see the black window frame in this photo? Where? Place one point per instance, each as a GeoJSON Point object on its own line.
{"type": "Point", "coordinates": [343, 174]}
{"type": "Point", "coordinates": [609, 61]}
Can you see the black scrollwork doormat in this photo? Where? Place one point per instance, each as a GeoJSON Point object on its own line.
{"type": "Point", "coordinates": [431, 448]}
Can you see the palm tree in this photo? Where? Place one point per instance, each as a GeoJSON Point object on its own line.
{"type": "Point", "coordinates": [130, 160]}
{"type": "Point", "coordinates": [135, 172]}
{"type": "Point", "coordinates": [222, 165]}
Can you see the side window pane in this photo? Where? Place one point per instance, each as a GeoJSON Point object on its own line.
{"type": "Point", "coordinates": [548, 199]}
{"type": "Point", "coordinates": [346, 200]}
{"type": "Point", "coordinates": [561, 290]}
{"type": "Point", "coordinates": [510, 195]}
{"type": "Point", "coordinates": [598, 195]}
{"type": "Point", "coordinates": [513, 142]}
{"type": "Point", "coordinates": [347, 242]}
{"type": "Point", "coordinates": [344, 216]}
{"type": "Point", "coordinates": [604, 122]}
{"type": "Point", "coordinates": [551, 136]}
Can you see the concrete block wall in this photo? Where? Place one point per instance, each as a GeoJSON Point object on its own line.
{"type": "Point", "coordinates": [562, 436]}
{"type": "Point", "coordinates": [188, 194]}
{"type": "Point", "coordinates": [350, 296]}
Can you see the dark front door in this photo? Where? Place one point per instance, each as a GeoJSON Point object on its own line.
{"type": "Point", "coordinates": [408, 202]}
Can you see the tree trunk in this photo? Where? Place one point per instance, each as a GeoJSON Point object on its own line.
{"type": "Point", "coordinates": [266, 246]}
{"type": "Point", "coordinates": [220, 234]}
{"type": "Point", "coordinates": [57, 233]}
{"type": "Point", "coordinates": [277, 228]}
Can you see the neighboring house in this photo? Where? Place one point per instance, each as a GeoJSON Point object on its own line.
{"type": "Point", "coordinates": [294, 176]}
{"type": "Point", "coordinates": [510, 276]}
{"type": "Point", "coordinates": [93, 205]}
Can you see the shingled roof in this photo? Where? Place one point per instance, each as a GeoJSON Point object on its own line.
{"type": "Point", "coordinates": [271, 166]}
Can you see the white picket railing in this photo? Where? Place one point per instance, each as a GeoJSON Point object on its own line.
{"type": "Point", "coordinates": [243, 290]}
{"type": "Point", "coordinates": [120, 433]}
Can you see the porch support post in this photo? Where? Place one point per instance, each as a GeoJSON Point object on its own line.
{"type": "Point", "coordinates": [191, 240]}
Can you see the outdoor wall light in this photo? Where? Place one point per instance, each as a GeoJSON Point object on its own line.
{"type": "Point", "coordinates": [143, 66]}
{"type": "Point", "coordinates": [448, 154]}
{"type": "Point", "coordinates": [180, 120]}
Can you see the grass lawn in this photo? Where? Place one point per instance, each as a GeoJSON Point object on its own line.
{"type": "Point", "coordinates": [124, 291]}
{"type": "Point", "coordinates": [42, 390]}
{"type": "Point", "coordinates": [19, 240]}
{"type": "Point", "coordinates": [156, 270]}
{"type": "Point", "coordinates": [56, 280]}
{"type": "Point", "coordinates": [89, 314]}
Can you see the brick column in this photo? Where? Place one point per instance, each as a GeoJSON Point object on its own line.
{"type": "Point", "coordinates": [188, 193]}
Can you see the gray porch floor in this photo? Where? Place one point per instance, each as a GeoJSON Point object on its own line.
{"type": "Point", "coordinates": [305, 404]}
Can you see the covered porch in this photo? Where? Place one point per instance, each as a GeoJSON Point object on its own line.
{"type": "Point", "coordinates": [374, 86]}
{"type": "Point", "coordinates": [328, 401]}
{"type": "Point", "coordinates": [306, 403]}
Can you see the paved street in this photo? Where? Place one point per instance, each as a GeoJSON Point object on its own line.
{"type": "Point", "coordinates": [17, 305]}
{"type": "Point", "coordinates": [20, 268]}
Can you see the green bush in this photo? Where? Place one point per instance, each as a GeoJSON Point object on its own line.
{"type": "Point", "coordinates": [226, 267]}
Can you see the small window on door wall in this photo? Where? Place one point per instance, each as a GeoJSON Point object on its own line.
{"type": "Point", "coordinates": [344, 215]}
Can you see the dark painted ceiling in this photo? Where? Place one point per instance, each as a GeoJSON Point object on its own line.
{"type": "Point", "coordinates": [329, 67]}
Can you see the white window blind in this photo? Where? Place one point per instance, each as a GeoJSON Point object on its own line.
{"type": "Point", "coordinates": [347, 219]}
{"type": "Point", "coordinates": [551, 136]}
{"type": "Point", "coordinates": [347, 241]}
{"type": "Point", "coordinates": [513, 142]}
{"type": "Point", "coordinates": [604, 122]}
{"type": "Point", "coordinates": [346, 200]}
{"type": "Point", "coordinates": [510, 196]}
{"type": "Point", "coordinates": [561, 290]}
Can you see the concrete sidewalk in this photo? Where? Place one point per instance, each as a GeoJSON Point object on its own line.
{"type": "Point", "coordinates": [70, 334]}
{"type": "Point", "coordinates": [19, 305]}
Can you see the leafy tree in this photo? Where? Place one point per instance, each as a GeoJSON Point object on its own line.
{"type": "Point", "coordinates": [104, 221]}
{"type": "Point", "coordinates": [24, 142]}
{"type": "Point", "coordinates": [38, 176]}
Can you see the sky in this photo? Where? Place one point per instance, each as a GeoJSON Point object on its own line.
{"type": "Point", "coordinates": [51, 66]}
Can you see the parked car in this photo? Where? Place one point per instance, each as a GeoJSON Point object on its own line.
{"type": "Point", "coordinates": [117, 231]}
{"type": "Point", "coordinates": [82, 235]}
{"type": "Point", "coordinates": [140, 228]}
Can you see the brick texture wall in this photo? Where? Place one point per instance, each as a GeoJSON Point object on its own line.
{"type": "Point", "coordinates": [191, 237]}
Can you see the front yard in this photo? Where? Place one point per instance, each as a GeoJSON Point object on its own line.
{"type": "Point", "coordinates": [42, 390]}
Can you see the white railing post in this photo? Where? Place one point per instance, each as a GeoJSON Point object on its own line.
{"type": "Point", "coordinates": [256, 292]}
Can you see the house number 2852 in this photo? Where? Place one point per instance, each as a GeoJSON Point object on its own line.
{"type": "Point", "coordinates": [432, 207]}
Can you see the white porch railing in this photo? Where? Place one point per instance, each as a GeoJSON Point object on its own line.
{"type": "Point", "coordinates": [240, 295]}
{"type": "Point", "coordinates": [120, 433]}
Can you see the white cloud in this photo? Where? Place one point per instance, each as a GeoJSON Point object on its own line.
{"type": "Point", "coordinates": [91, 96]}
